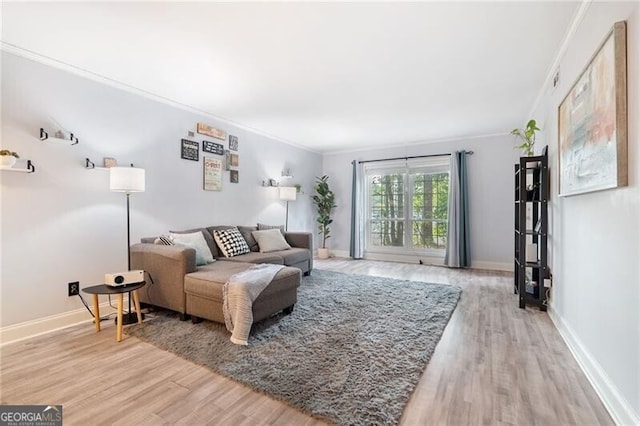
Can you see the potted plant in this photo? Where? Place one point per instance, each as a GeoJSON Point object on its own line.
{"type": "Point", "coordinates": [8, 158]}
{"type": "Point", "coordinates": [324, 199]}
{"type": "Point", "coordinates": [528, 137]}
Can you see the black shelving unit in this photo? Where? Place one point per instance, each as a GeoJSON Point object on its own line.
{"type": "Point", "coordinates": [531, 225]}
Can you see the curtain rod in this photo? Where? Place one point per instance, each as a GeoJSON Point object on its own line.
{"type": "Point", "coordinates": [410, 158]}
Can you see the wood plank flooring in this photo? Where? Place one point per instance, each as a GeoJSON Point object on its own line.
{"type": "Point", "coordinates": [496, 364]}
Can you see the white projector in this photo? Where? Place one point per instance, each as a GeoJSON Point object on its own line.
{"type": "Point", "coordinates": [123, 278]}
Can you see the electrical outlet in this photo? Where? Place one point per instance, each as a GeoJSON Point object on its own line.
{"type": "Point", "coordinates": [74, 288]}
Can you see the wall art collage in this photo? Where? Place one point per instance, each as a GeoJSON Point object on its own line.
{"type": "Point", "coordinates": [222, 159]}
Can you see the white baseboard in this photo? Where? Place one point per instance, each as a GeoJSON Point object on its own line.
{"type": "Point", "coordinates": [25, 330]}
{"type": "Point", "coordinates": [493, 266]}
{"type": "Point", "coordinates": [617, 406]}
{"type": "Point", "coordinates": [403, 258]}
{"type": "Point", "coordinates": [339, 253]}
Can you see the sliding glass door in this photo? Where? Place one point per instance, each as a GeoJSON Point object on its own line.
{"type": "Point", "coordinates": [407, 206]}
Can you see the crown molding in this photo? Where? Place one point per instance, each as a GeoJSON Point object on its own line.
{"type": "Point", "coordinates": [82, 72]}
{"type": "Point", "coordinates": [568, 37]}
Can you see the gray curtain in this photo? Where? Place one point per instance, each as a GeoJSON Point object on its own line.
{"type": "Point", "coordinates": [356, 248]}
{"type": "Point", "coordinates": [458, 251]}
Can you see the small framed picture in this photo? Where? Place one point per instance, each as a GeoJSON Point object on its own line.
{"type": "Point", "coordinates": [233, 143]}
{"type": "Point", "coordinates": [190, 150]}
{"type": "Point", "coordinates": [234, 176]}
{"type": "Point", "coordinates": [234, 160]}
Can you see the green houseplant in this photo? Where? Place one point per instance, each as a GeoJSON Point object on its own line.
{"type": "Point", "coordinates": [528, 137]}
{"type": "Point", "coordinates": [324, 199]}
{"type": "Point", "coordinates": [8, 158]}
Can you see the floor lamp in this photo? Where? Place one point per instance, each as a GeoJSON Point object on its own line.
{"type": "Point", "coordinates": [127, 180]}
{"type": "Point", "coordinates": [287, 193]}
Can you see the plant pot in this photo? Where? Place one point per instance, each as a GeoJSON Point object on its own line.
{"type": "Point", "coordinates": [323, 253]}
{"type": "Point", "coordinates": [7, 160]}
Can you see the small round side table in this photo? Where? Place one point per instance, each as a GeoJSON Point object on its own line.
{"type": "Point", "coordinates": [132, 289]}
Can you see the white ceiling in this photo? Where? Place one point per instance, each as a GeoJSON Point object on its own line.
{"type": "Point", "coordinates": [326, 76]}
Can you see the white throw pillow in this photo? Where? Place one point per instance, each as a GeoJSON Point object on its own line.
{"type": "Point", "coordinates": [270, 240]}
{"type": "Point", "coordinates": [196, 241]}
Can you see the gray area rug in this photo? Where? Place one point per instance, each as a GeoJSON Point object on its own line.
{"type": "Point", "coordinates": [350, 353]}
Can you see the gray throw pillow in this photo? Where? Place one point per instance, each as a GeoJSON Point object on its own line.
{"type": "Point", "coordinates": [270, 240]}
{"type": "Point", "coordinates": [246, 233]}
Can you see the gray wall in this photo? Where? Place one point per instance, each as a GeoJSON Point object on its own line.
{"type": "Point", "coordinates": [490, 189]}
{"type": "Point", "coordinates": [62, 224]}
{"type": "Point", "coordinates": [595, 237]}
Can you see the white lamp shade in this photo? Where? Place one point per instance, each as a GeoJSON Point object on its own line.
{"type": "Point", "coordinates": [126, 179]}
{"type": "Point", "coordinates": [288, 193]}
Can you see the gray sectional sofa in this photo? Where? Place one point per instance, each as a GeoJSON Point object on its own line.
{"type": "Point", "coordinates": [179, 285]}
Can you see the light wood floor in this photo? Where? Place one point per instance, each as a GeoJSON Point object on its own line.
{"type": "Point", "coordinates": [495, 364]}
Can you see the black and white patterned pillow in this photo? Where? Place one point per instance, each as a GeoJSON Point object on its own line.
{"type": "Point", "coordinates": [164, 240]}
{"type": "Point", "coordinates": [231, 242]}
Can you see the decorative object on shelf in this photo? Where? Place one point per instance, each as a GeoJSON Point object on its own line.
{"type": "Point", "coordinates": [233, 143]}
{"type": "Point", "coordinates": [60, 137]}
{"type": "Point", "coordinates": [528, 137]}
{"type": "Point", "coordinates": [212, 174]}
{"type": "Point", "coordinates": [530, 233]}
{"type": "Point", "coordinates": [287, 193]}
{"type": "Point", "coordinates": [107, 161]}
{"type": "Point", "coordinates": [127, 180]}
{"type": "Point", "coordinates": [234, 176]}
{"type": "Point", "coordinates": [213, 147]}
{"type": "Point", "coordinates": [8, 158]}
{"type": "Point", "coordinates": [298, 188]}
{"type": "Point", "coordinates": [324, 199]}
{"type": "Point", "coordinates": [204, 129]}
{"type": "Point", "coordinates": [190, 150]}
{"type": "Point", "coordinates": [592, 121]}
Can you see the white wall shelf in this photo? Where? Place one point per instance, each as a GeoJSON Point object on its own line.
{"type": "Point", "coordinates": [29, 169]}
{"type": "Point", "coordinates": [90, 165]}
{"type": "Point", "coordinates": [69, 138]}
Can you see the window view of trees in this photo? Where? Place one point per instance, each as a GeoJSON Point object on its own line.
{"type": "Point", "coordinates": [425, 215]}
{"type": "Point", "coordinates": [430, 207]}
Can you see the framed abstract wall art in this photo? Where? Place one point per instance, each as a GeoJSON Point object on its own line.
{"type": "Point", "coordinates": [592, 122]}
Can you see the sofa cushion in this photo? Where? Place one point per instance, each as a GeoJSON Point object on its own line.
{"type": "Point", "coordinates": [270, 240]}
{"type": "Point", "coordinates": [253, 257]}
{"type": "Point", "coordinates": [293, 256]}
{"type": "Point", "coordinates": [246, 233]}
{"type": "Point", "coordinates": [195, 241]}
{"type": "Point", "coordinates": [208, 281]}
{"type": "Point", "coordinates": [230, 242]}
{"type": "Point", "coordinates": [263, 227]}
{"type": "Point", "coordinates": [208, 237]}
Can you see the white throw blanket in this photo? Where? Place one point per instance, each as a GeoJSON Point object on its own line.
{"type": "Point", "coordinates": [238, 295]}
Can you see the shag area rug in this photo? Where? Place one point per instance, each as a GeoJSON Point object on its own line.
{"type": "Point", "coordinates": [350, 353]}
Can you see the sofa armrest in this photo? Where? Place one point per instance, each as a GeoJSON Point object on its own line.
{"type": "Point", "coordinates": [167, 266]}
{"type": "Point", "coordinates": [300, 239]}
